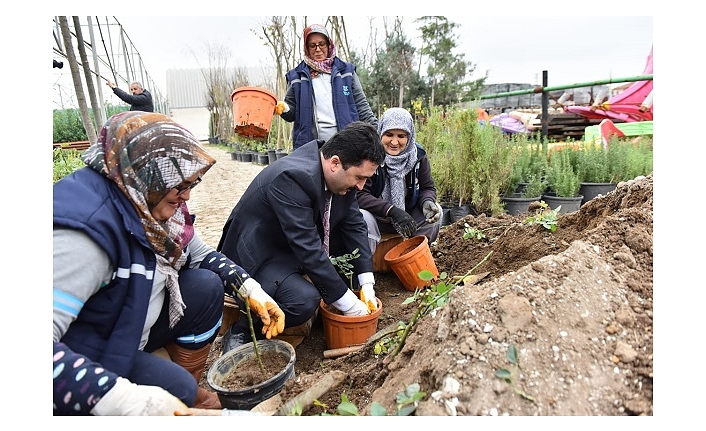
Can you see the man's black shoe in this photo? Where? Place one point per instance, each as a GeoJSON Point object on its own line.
{"type": "Point", "coordinates": [231, 339]}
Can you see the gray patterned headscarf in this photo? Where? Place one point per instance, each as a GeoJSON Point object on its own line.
{"type": "Point", "coordinates": [400, 165]}
{"type": "Point", "coordinates": [147, 154]}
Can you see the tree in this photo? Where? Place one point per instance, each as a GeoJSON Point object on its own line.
{"type": "Point", "coordinates": [220, 83]}
{"type": "Point", "coordinates": [76, 77]}
{"type": "Point", "coordinates": [392, 72]}
{"type": "Point", "coordinates": [446, 72]}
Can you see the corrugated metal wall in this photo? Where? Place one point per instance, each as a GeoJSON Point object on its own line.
{"type": "Point", "coordinates": [186, 88]}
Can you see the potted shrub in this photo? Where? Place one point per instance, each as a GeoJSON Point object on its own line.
{"type": "Point", "coordinates": [594, 171]}
{"type": "Point", "coordinates": [564, 181]}
{"type": "Point", "coordinates": [629, 159]}
{"type": "Point", "coordinates": [344, 331]}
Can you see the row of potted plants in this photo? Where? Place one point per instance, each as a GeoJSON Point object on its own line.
{"type": "Point", "coordinates": [479, 165]}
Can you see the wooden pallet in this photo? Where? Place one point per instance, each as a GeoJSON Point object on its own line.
{"type": "Point", "coordinates": [563, 126]}
{"type": "Point", "coordinates": [78, 145]}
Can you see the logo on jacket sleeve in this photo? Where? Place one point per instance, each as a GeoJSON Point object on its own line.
{"type": "Point", "coordinates": [346, 91]}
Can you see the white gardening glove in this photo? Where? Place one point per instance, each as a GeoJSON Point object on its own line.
{"type": "Point", "coordinates": [367, 295]}
{"type": "Point", "coordinates": [431, 211]}
{"type": "Point", "coordinates": [264, 306]}
{"type": "Point", "coordinates": [129, 399]}
{"type": "Point", "coordinates": [350, 305]}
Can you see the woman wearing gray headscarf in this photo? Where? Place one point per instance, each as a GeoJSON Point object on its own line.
{"type": "Point", "coordinates": [401, 196]}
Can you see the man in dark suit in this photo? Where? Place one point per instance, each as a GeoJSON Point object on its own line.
{"type": "Point", "coordinates": [276, 231]}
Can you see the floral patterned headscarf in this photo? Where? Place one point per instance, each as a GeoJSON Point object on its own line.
{"type": "Point", "coordinates": [324, 66]}
{"type": "Point", "coordinates": [147, 154]}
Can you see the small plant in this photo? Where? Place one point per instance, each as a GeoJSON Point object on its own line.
{"type": "Point", "coordinates": [544, 216]}
{"type": "Point", "coordinates": [430, 298]}
{"type": "Point", "coordinates": [536, 186]}
{"type": "Point", "coordinates": [563, 177]}
{"type": "Point", "coordinates": [389, 340]}
{"type": "Point", "coordinates": [345, 268]}
{"type": "Point", "coordinates": [66, 162]}
{"type": "Point", "coordinates": [507, 375]}
{"type": "Point", "coordinates": [258, 356]}
{"type": "Point", "coordinates": [471, 232]}
{"type": "Point", "coordinates": [406, 402]}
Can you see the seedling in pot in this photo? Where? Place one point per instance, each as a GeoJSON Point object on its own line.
{"type": "Point", "coordinates": [252, 328]}
{"type": "Point", "coordinates": [345, 268]}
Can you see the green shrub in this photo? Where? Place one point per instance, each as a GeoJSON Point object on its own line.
{"type": "Point", "coordinates": [65, 162]}
{"type": "Point", "coordinates": [68, 126]}
{"type": "Point", "coordinates": [628, 160]}
{"type": "Point", "coordinates": [562, 176]}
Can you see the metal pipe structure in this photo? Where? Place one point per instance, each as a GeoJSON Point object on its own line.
{"type": "Point", "coordinates": [544, 89]}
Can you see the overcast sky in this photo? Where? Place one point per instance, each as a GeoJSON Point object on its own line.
{"type": "Point", "coordinates": [513, 49]}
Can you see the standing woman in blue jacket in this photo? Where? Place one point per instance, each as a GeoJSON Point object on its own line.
{"type": "Point", "coordinates": [324, 94]}
{"type": "Point", "coordinates": [130, 275]}
{"type": "Point", "coordinates": [401, 195]}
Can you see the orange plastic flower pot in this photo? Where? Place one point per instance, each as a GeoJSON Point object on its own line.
{"type": "Point", "coordinates": [344, 331]}
{"type": "Point", "coordinates": [253, 110]}
{"type": "Point", "coordinates": [410, 257]}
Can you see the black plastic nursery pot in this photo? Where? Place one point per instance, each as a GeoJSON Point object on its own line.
{"type": "Point", "coordinates": [248, 397]}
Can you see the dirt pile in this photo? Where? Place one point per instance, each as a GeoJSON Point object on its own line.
{"type": "Point", "coordinates": [576, 304]}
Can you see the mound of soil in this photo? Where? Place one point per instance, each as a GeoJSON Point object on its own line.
{"type": "Point", "coordinates": [576, 304]}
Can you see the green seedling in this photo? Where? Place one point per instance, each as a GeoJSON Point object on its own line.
{"type": "Point", "coordinates": [345, 268]}
{"type": "Point", "coordinates": [406, 403]}
{"type": "Point", "coordinates": [472, 233]}
{"type": "Point", "coordinates": [429, 298]}
{"type": "Point", "coordinates": [544, 216]}
{"type": "Point", "coordinates": [507, 375]}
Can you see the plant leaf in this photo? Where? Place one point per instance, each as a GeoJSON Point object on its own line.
{"type": "Point", "coordinates": [376, 409]}
{"type": "Point", "coordinates": [503, 374]}
{"type": "Point", "coordinates": [511, 354]}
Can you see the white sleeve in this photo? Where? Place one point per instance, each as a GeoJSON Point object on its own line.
{"type": "Point", "coordinates": [80, 268]}
{"type": "Point", "coordinates": [198, 250]}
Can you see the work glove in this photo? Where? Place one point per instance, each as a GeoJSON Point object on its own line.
{"type": "Point", "coordinates": [367, 296]}
{"type": "Point", "coordinates": [431, 211]}
{"type": "Point", "coordinates": [403, 223]}
{"type": "Point", "coordinates": [128, 399]}
{"type": "Point", "coordinates": [281, 107]}
{"type": "Point", "coordinates": [350, 305]}
{"type": "Point", "coordinates": [264, 306]}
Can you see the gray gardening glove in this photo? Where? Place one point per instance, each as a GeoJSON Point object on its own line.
{"type": "Point", "coordinates": [431, 211]}
{"type": "Point", "coordinates": [403, 223]}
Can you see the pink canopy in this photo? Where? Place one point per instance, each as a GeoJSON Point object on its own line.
{"type": "Point", "coordinates": [624, 107]}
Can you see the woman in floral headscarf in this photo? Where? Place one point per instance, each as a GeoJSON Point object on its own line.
{"type": "Point", "coordinates": [324, 94]}
{"type": "Point", "coordinates": [131, 275]}
{"type": "Point", "coordinates": [401, 196]}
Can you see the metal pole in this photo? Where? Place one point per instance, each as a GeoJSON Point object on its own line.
{"type": "Point", "coordinates": [545, 89]}
{"type": "Point", "coordinates": [545, 108]}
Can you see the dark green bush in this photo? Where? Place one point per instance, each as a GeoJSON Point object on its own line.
{"type": "Point", "coordinates": [68, 126]}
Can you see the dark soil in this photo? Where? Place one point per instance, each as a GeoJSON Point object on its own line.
{"type": "Point", "coordinates": [248, 373]}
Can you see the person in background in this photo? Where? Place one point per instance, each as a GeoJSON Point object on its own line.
{"type": "Point", "coordinates": [140, 100]}
{"type": "Point", "coordinates": [324, 94]}
{"type": "Point", "coordinates": [131, 275]}
{"type": "Point", "coordinates": [401, 196]}
{"type": "Point", "coordinates": [297, 213]}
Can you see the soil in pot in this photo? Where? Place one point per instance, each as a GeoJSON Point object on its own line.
{"type": "Point", "coordinates": [249, 374]}
{"type": "Point", "coordinates": [229, 375]}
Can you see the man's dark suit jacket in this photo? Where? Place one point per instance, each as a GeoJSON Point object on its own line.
{"type": "Point", "coordinates": [279, 218]}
